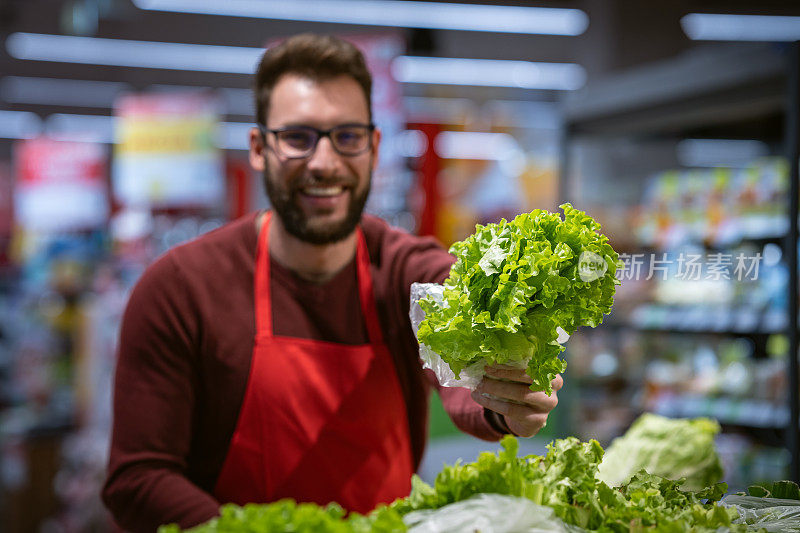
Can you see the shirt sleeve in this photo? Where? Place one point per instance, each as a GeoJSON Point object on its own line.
{"type": "Point", "coordinates": [154, 408]}
{"type": "Point", "coordinates": [432, 264]}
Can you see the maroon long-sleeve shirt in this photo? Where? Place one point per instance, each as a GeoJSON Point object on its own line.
{"type": "Point", "coordinates": [184, 358]}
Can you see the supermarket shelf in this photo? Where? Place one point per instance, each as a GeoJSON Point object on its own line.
{"type": "Point", "coordinates": [727, 411]}
{"type": "Point", "coordinates": [719, 91]}
{"type": "Point", "coordinates": [755, 236]}
{"type": "Point", "coordinates": [704, 320]}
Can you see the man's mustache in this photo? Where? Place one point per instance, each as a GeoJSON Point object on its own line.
{"type": "Point", "coordinates": [325, 182]}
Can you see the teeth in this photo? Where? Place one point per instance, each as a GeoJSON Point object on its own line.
{"type": "Point", "coordinates": [323, 191]}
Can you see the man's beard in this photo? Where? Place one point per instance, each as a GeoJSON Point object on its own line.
{"type": "Point", "coordinates": [284, 203]}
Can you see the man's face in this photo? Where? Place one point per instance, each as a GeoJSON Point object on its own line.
{"type": "Point", "coordinates": [319, 198]}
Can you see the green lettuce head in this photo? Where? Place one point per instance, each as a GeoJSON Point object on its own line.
{"type": "Point", "coordinates": [678, 449]}
{"type": "Point", "coordinates": [514, 284]}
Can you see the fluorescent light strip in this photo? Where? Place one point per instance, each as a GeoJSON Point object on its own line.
{"type": "Point", "coordinates": [126, 53]}
{"type": "Point", "coordinates": [54, 91]}
{"type": "Point", "coordinates": [19, 125]}
{"type": "Point", "coordinates": [242, 60]}
{"type": "Point", "coordinates": [476, 145]}
{"type": "Point", "coordinates": [719, 27]}
{"type": "Point", "coordinates": [488, 72]}
{"type": "Point", "coordinates": [439, 15]}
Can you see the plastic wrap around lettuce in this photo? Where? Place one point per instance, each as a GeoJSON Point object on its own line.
{"type": "Point", "coordinates": [672, 448]}
{"type": "Point", "coordinates": [514, 284]}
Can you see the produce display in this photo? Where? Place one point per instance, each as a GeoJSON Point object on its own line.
{"type": "Point", "coordinates": [672, 448]}
{"type": "Point", "coordinates": [561, 486]}
{"type": "Point", "coordinates": [565, 480]}
{"type": "Point", "coordinates": [514, 285]}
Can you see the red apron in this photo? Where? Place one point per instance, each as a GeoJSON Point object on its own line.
{"type": "Point", "coordinates": [320, 421]}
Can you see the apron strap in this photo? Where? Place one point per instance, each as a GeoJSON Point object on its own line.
{"type": "Point", "coordinates": [365, 290]}
{"type": "Point", "coordinates": [262, 292]}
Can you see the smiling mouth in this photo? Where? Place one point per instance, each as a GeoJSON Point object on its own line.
{"type": "Point", "coordinates": [323, 192]}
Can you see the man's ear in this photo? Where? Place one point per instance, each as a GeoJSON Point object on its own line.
{"type": "Point", "coordinates": [257, 148]}
{"type": "Point", "coordinates": [376, 143]}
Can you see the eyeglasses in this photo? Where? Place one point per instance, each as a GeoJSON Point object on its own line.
{"type": "Point", "coordinates": [296, 142]}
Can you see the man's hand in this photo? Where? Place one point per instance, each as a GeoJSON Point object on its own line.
{"type": "Point", "coordinates": [525, 411]}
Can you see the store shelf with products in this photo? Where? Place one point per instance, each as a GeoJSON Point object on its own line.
{"type": "Point", "coordinates": [688, 175]}
{"type": "Point", "coordinates": [58, 327]}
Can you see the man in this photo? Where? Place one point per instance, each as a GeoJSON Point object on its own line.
{"type": "Point", "coordinates": [274, 357]}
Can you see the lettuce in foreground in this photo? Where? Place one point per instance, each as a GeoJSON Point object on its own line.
{"type": "Point", "coordinates": [565, 480]}
{"type": "Point", "coordinates": [673, 448]}
{"type": "Point", "coordinates": [514, 284]}
{"type": "Point", "coordinates": [287, 515]}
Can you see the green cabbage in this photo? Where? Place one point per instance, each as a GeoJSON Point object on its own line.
{"type": "Point", "coordinates": [514, 284]}
{"type": "Point", "coordinates": [672, 448]}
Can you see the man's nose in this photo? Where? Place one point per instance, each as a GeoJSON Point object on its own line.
{"type": "Point", "coordinates": [325, 160]}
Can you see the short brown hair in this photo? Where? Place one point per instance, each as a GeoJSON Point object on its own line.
{"type": "Point", "coordinates": [317, 57]}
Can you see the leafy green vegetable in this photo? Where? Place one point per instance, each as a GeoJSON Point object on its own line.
{"type": "Point", "coordinates": [514, 284]}
{"type": "Point", "coordinates": [565, 480]}
{"type": "Point", "coordinates": [785, 490]}
{"type": "Point", "coordinates": [672, 448]}
{"type": "Point", "coordinates": [287, 515]}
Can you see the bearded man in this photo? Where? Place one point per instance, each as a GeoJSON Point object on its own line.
{"type": "Point", "coordinates": [274, 358]}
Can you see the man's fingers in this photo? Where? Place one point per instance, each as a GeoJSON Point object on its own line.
{"type": "Point", "coordinates": [509, 373]}
{"type": "Point", "coordinates": [521, 419]}
{"type": "Point", "coordinates": [519, 393]}
{"type": "Point", "coordinates": [517, 374]}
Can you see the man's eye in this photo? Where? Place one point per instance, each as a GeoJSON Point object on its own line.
{"type": "Point", "coordinates": [297, 139]}
{"type": "Point", "coordinates": [349, 137]}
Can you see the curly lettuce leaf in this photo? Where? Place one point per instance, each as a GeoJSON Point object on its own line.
{"type": "Point", "coordinates": [288, 515]}
{"type": "Point", "coordinates": [514, 284]}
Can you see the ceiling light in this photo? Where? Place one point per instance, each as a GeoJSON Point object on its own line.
{"type": "Point", "coordinates": [19, 125]}
{"type": "Point", "coordinates": [126, 53]}
{"type": "Point", "coordinates": [439, 15]}
{"type": "Point", "coordinates": [54, 91]}
{"type": "Point", "coordinates": [719, 27]}
{"type": "Point", "coordinates": [488, 72]}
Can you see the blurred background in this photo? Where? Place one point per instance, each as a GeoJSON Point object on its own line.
{"type": "Point", "coordinates": [123, 132]}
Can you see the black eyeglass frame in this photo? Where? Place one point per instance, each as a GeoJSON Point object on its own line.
{"type": "Point", "coordinates": [319, 135]}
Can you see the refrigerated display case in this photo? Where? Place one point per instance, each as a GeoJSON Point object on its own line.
{"type": "Point", "coordinates": [686, 164]}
